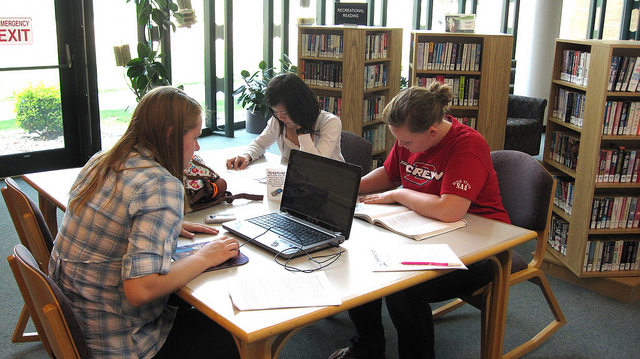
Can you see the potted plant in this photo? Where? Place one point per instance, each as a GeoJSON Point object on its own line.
{"type": "Point", "coordinates": [146, 71]}
{"type": "Point", "coordinates": [251, 93]}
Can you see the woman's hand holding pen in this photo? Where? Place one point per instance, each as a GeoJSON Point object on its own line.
{"type": "Point", "coordinates": [238, 162]}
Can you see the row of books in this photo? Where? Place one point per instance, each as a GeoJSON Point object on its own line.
{"type": "Point", "coordinates": [466, 89]}
{"type": "Point", "coordinates": [615, 212]}
{"type": "Point", "coordinates": [377, 136]}
{"type": "Point", "coordinates": [469, 121]}
{"type": "Point", "coordinates": [618, 165]}
{"type": "Point", "coordinates": [611, 255]}
{"type": "Point", "coordinates": [564, 148]}
{"type": "Point", "coordinates": [376, 46]}
{"type": "Point", "coordinates": [621, 118]}
{"type": "Point", "coordinates": [372, 108]}
{"type": "Point", "coordinates": [563, 197]}
{"type": "Point", "coordinates": [558, 233]}
{"type": "Point", "coordinates": [448, 56]}
{"type": "Point", "coordinates": [332, 46]}
{"type": "Point", "coordinates": [331, 104]}
{"type": "Point", "coordinates": [575, 67]}
{"type": "Point", "coordinates": [624, 74]}
{"type": "Point", "coordinates": [319, 73]}
{"type": "Point", "coordinates": [568, 106]}
{"type": "Point", "coordinates": [375, 76]}
{"type": "Point", "coordinates": [322, 45]}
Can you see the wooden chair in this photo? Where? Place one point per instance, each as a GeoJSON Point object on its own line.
{"type": "Point", "coordinates": [60, 328]}
{"type": "Point", "coordinates": [35, 235]}
{"type": "Point", "coordinates": [527, 191]}
{"type": "Point", "coordinates": [356, 150]}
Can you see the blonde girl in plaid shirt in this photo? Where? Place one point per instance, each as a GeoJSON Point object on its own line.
{"type": "Point", "coordinates": [112, 255]}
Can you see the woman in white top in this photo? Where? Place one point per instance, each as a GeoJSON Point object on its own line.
{"type": "Point", "coordinates": [297, 123]}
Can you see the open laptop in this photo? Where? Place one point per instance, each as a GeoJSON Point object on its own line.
{"type": "Point", "coordinates": [316, 211]}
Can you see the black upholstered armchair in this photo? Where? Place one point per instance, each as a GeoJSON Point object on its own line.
{"type": "Point", "coordinates": [524, 124]}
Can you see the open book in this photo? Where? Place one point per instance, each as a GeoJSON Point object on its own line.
{"type": "Point", "coordinates": [400, 219]}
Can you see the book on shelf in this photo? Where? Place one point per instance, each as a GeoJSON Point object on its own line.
{"type": "Point", "coordinates": [376, 136]}
{"type": "Point", "coordinates": [605, 253]}
{"type": "Point", "coordinates": [624, 74]}
{"type": "Point", "coordinates": [402, 220]}
{"type": "Point", "coordinates": [322, 45]}
{"type": "Point", "coordinates": [558, 232]}
{"type": "Point", "coordinates": [568, 106]}
{"type": "Point", "coordinates": [615, 212]}
{"type": "Point", "coordinates": [613, 72]}
{"type": "Point", "coordinates": [189, 249]}
{"type": "Point", "coordinates": [331, 104]}
{"type": "Point", "coordinates": [448, 56]}
{"type": "Point", "coordinates": [564, 148]}
{"type": "Point", "coordinates": [617, 165]}
{"type": "Point", "coordinates": [563, 198]}
{"type": "Point", "coordinates": [621, 118]}
{"type": "Point", "coordinates": [635, 76]}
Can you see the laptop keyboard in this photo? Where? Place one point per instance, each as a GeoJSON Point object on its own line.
{"type": "Point", "coordinates": [290, 229]}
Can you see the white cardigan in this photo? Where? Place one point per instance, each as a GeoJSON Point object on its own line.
{"type": "Point", "coordinates": [326, 143]}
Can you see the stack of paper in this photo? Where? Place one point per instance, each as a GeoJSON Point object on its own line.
{"type": "Point", "coordinates": [303, 290]}
{"type": "Point", "coordinates": [415, 257]}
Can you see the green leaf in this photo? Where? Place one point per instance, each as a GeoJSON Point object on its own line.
{"type": "Point", "coordinates": [135, 71]}
{"type": "Point", "coordinates": [143, 50]}
{"type": "Point", "coordinates": [158, 17]}
{"type": "Point", "coordinates": [135, 62]}
{"type": "Point", "coordinates": [161, 69]}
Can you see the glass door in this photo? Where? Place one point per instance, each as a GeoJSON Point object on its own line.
{"type": "Point", "coordinates": [45, 107]}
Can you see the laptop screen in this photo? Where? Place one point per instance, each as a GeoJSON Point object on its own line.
{"type": "Point", "coordinates": [321, 190]}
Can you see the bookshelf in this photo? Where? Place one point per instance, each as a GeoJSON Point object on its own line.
{"type": "Point", "coordinates": [489, 71]}
{"type": "Point", "coordinates": [593, 234]}
{"type": "Point", "coordinates": [354, 71]}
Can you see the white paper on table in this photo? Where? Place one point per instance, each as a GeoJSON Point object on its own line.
{"type": "Point", "coordinates": [390, 258]}
{"type": "Point", "coordinates": [303, 290]}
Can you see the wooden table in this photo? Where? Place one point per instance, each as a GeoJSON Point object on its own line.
{"type": "Point", "coordinates": [263, 333]}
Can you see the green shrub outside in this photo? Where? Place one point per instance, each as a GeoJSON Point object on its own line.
{"type": "Point", "coordinates": [38, 111]}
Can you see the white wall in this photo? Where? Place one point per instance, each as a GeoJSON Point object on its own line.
{"type": "Point", "coordinates": [538, 27]}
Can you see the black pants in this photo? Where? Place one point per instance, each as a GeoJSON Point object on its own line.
{"type": "Point", "coordinates": [410, 313]}
{"type": "Point", "coordinates": [194, 335]}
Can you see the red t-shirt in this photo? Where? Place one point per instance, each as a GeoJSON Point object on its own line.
{"type": "Point", "coordinates": [460, 164]}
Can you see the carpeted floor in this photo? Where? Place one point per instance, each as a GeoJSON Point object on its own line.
{"type": "Point", "coordinates": [597, 326]}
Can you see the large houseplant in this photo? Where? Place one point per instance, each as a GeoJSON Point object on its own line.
{"type": "Point", "coordinates": [251, 93]}
{"type": "Point", "coordinates": [146, 71]}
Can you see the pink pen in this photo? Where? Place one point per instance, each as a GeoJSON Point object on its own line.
{"type": "Point", "coordinates": [438, 264]}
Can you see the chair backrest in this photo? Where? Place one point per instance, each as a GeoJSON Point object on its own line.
{"type": "Point", "coordinates": [52, 308]}
{"type": "Point", "coordinates": [526, 107]}
{"type": "Point", "coordinates": [356, 150]}
{"type": "Point", "coordinates": [29, 223]}
{"type": "Point", "coordinates": [527, 191]}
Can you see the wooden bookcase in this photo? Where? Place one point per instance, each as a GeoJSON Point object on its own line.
{"type": "Point", "coordinates": [493, 72]}
{"type": "Point", "coordinates": [333, 60]}
{"type": "Point", "coordinates": [585, 125]}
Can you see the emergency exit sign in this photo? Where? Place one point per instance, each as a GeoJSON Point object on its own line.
{"type": "Point", "coordinates": [16, 31]}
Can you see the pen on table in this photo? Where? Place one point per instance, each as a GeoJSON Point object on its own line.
{"type": "Point", "coordinates": [436, 264]}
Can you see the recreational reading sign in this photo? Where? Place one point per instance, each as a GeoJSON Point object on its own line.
{"type": "Point", "coordinates": [351, 13]}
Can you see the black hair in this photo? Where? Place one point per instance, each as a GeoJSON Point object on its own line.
{"type": "Point", "coordinates": [293, 93]}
